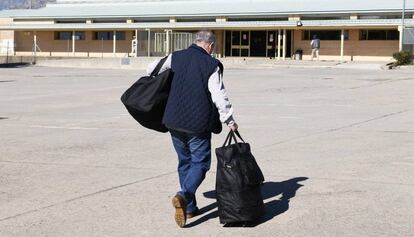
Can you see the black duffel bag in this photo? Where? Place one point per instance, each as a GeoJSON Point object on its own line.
{"type": "Point", "coordinates": [238, 182]}
{"type": "Point", "coordinates": [147, 98]}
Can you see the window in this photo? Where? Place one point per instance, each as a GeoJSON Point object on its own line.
{"type": "Point", "coordinates": [324, 17]}
{"type": "Point", "coordinates": [109, 20]}
{"type": "Point", "coordinates": [120, 35]}
{"type": "Point", "coordinates": [196, 20]}
{"type": "Point", "coordinates": [108, 35]}
{"type": "Point", "coordinates": [235, 38]}
{"type": "Point", "coordinates": [393, 35]}
{"type": "Point", "coordinates": [80, 35]}
{"type": "Point", "coordinates": [240, 38]}
{"type": "Point", "coordinates": [258, 19]}
{"type": "Point", "coordinates": [235, 52]}
{"type": "Point", "coordinates": [67, 35]}
{"type": "Point", "coordinates": [152, 20]}
{"type": "Point", "coordinates": [379, 35]}
{"type": "Point", "coordinates": [238, 43]}
{"type": "Point", "coordinates": [385, 16]}
{"type": "Point", "coordinates": [245, 38]}
{"type": "Point", "coordinates": [244, 52]}
{"type": "Point", "coordinates": [70, 21]}
{"type": "Point", "coordinates": [324, 34]}
{"type": "Point", "coordinates": [103, 35]}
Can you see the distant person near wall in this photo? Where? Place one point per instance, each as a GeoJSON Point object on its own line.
{"type": "Point", "coordinates": [315, 45]}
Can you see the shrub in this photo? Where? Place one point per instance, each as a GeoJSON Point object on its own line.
{"type": "Point", "coordinates": [402, 57]}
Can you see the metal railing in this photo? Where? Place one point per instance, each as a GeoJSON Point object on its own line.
{"type": "Point", "coordinates": [172, 41]}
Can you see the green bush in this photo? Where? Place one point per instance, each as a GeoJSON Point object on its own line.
{"type": "Point", "coordinates": [402, 57]}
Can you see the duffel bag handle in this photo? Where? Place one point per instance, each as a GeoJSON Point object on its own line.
{"type": "Point", "coordinates": [231, 137]}
{"type": "Point", "coordinates": [238, 134]}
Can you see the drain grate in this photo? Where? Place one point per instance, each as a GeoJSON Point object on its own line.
{"type": "Point", "coordinates": [2, 118]}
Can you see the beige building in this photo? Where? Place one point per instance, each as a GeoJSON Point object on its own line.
{"type": "Point", "coordinates": [349, 30]}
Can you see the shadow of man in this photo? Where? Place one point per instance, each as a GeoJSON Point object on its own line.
{"type": "Point", "coordinates": [273, 208]}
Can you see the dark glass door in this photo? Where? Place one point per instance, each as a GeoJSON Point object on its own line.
{"type": "Point", "coordinates": [258, 44]}
{"type": "Point", "coordinates": [288, 43]}
{"type": "Point", "coordinates": [228, 44]}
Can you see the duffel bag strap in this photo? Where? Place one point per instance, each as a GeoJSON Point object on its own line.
{"type": "Point", "coordinates": [238, 134]}
{"type": "Point", "coordinates": [231, 137]}
{"type": "Point", "coordinates": [228, 139]}
{"type": "Point", "coordinates": [158, 67]}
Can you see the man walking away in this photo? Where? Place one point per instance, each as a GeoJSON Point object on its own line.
{"type": "Point", "coordinates": [316, 45]}
{"type": "Point", "coordinates": [197, 83]}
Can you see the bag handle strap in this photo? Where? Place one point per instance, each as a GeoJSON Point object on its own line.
{"type": "Point", "coordinates": [231, 136]}
{"type": "Point", "coordinates": [158, 67]}
{"type": "Point", "coordinates": [228, 139]}
{"type": "Point", "coordinates": [238, 134]}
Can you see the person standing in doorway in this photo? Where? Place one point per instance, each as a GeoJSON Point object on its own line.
{"type": "Point", "coordinates": [315, 45]}
{"type": "Point", "coordinates": [197, 93]}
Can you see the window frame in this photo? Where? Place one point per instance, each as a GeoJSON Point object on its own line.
{"type": "Point", "coordinates": [365, 36]}
{"type": "Point", "coordinates": [120, 35]}
{"type": "Point", "coordinates": [307, 35]}
{"type": "Point", "coordinates": [81, 34]}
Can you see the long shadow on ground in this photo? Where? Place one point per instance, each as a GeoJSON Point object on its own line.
{"type": "Point", "coordinates": [14, 65]}
{"type": "Point", "coordinates": [273, 208]}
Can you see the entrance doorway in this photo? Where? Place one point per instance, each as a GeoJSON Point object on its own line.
{"type": "Point", "coordinates": [262, 43]}
{"type": "Point", "coordinates": [258, 44]}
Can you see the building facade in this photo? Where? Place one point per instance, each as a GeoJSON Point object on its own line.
{"type": "Point", "coordinates": [349, 30]}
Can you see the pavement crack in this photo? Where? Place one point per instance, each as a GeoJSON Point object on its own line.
{"type": "Point", "coordinates": [386, 81]}
{"type": "Point", "coordinates": [333, 129]}
{"type": "Point", "coordinates": [401, 132]}
{"type": "Point", "coordinates": [369, 120]}
{"type": "Point", "coordinates": [86, 196]}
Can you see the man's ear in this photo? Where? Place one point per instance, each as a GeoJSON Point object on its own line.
{"type": "Point", "coordinates": [212, 46]}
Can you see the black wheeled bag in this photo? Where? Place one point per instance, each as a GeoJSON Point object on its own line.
{"type": "Point", "coordinates": [147, 98]}
{"type": "Point", "coordinates": [238, 182]}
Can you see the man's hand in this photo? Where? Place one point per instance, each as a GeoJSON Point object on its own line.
{"type": "Point", "coordinates": [233, 126]}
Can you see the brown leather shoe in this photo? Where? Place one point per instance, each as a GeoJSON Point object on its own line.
{"type": "Point", "coordinates": [180, 205]}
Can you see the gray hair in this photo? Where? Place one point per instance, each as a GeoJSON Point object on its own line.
{"type": "Point", "coordinates": [205, 36]}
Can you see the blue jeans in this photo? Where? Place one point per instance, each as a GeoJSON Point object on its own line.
{"type": "Point", "coordinates": [194, 160]}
